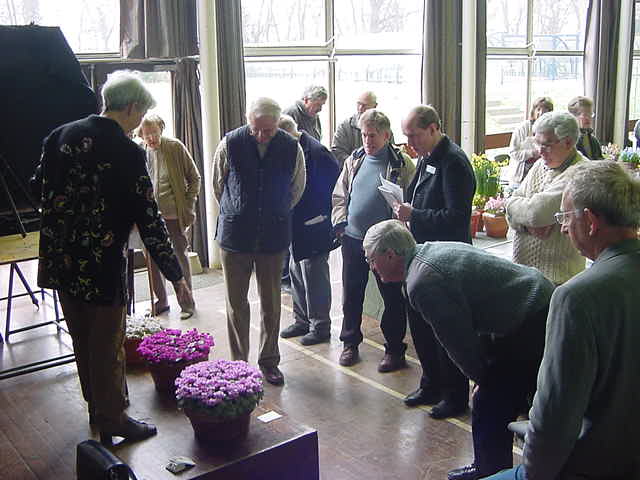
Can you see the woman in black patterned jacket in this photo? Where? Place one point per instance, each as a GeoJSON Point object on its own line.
{"type": "Point", "coordinates": [94, 187]}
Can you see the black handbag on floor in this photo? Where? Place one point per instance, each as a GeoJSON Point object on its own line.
{"type": "Point", "coordinates": [94, 462]}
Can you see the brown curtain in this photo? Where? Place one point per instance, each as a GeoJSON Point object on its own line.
{"type": "Point", "coordinates": [481, 74]}
{"type": "Point", "coordinates": [600, 63]}
{"type": "Point", "coordinates": [441, 62]}
{"type": "Point", "coordinates": [231, 80]}
{"type": "Point", "coordinates": [158, 28]}
{"type": "Point", "coordinates": [188, 128]}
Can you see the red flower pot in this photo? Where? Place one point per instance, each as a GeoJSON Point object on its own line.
{"type": "Point", "coordinates": [212, 429]}
{"type": "Point", "coordinates": [475, 218]}
{"type": "Point", "coordinates": [496, 226]}
{"type": "Point", "coordinates": [131, 352]}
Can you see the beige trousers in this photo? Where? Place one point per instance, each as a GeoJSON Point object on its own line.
{"type": "Point", "coordinates": [97, 332]}
{"type": "Point", "coordinates": [237, 269]}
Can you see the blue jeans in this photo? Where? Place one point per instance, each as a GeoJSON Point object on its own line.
{"type": "Point", "coordinates": [516, 473]}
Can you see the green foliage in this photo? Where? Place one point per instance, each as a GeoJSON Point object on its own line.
{"type": "Point", "coordinates": [487, 175]}
{"type": "Point", "coordinates": [226, 409]}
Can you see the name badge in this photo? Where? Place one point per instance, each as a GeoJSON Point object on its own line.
{"type": "Point", "coordinates": [431, 169]}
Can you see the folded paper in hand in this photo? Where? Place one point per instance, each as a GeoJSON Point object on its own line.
{"type": "Point", "coordinates": [391, 192]}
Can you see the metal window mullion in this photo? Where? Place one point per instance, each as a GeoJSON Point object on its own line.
{"type": "Point", "coordinates": [530, 53]}
{"type": "Point", "coordinates": [330, 42]}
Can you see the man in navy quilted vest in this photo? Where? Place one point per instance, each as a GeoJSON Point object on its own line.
{"type": "Point", "coordinates": [258, 177]}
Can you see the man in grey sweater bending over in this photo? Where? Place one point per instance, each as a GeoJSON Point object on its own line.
{"type": "Point", "coordinates": [488, 313]}
{"type": "Point", "coordinates": [585, 418]}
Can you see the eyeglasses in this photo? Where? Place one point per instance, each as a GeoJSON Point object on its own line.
{"type": "Point", "coordinates": [547, 146]}
{"type": "Point", "coordinates": [562, 217]}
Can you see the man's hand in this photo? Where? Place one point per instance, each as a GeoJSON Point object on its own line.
{"type": "Point", "coordinates": [183, 293]}
{"type": "Point", "coordinates": [541, 232]}
{"type": "Point", "coordinates": [403, 211]}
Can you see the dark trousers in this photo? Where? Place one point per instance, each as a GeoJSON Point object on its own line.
{"type": "Point", "coordinates": [504, 394]}
{"type": "Point", "coordinates": [355, 274]}
{"type": "Point", "coordinates": [438, 370]}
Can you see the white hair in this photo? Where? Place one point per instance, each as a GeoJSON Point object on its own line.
{"type": "Point", "coordinates": [562, 124]}
{"type": "Point", "coordinates": [388, 235]}
{"type": "Point", "coordinates": [315, 92]}
{"type": "Point", "coordinates": [264, 107]}
{"type": "Point", "coordinates": [288, 124]}
{"type": "Point", "coordinates": [123, 88]}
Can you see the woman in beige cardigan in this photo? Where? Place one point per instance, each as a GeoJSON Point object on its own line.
{"type": "Point", "coordinates": [176, 184]}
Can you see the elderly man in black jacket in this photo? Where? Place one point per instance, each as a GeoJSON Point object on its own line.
{"type": "Point", "coordinates": [312, 240]}
{"type": "Point", "coordinates": [438, 208]}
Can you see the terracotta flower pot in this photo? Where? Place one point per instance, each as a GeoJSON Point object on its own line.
{"type": "Point", "coordinates": [212, 429]}
{"type": "Point", "coordinates": [131, 352]}
{"type": "Point", "coordinates": [496, 226]}
{"type": "Point", "coordinates": [475, 218]}
{"type": "Point", "coordinates": [164, 374]}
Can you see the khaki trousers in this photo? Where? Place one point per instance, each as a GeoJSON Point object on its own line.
{"type": "Point", "coordinates": [180, 245]}
{"type": "Point", "coordinates": [97, 332]}
{"type": "Point", "coordinates": [237, 269]}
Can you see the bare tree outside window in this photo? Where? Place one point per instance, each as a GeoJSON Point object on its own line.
{"type": "Point", "coordinates": [271, 22]}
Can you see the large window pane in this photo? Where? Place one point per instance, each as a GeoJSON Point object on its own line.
{"type": "Point", "coordinates": [506, 94]}
{"type": "Point", "coordinates": [395, 79]}
{"type": "Point", "coordinates": [285, 82]}
{"type": "Point", "coordinates": [634, 91]}
{"type": "Point", "coordinates": [560, 78]}
{"type": "Point", "coordinates": [636, 39]}
{"type": "Point", "coordinates": [159, 84]}
{"type": "Point", "coordinates": [378, 24]}
{"type": "Point", "coordinates": [506, 23]}
{"type": "Point", "coordinates": [271, 22]}
{"type": "Point", "coordinates": [90, 26]}
{"type": "Point", "coordinates": [559, 24]}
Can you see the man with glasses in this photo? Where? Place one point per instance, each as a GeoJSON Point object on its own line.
{"type": "Point", "coordinates": [488, 313]}
{"type": "Point", "coordinates": [585, 420]}
{"type": "Point", "coordinates": [258, 177]}
{"type": "Point", "coordinates": [537, 241]}
{"type": "Point", "coordinates": [582, 108]}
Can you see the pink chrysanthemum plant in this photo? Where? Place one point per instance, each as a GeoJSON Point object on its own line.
{"type": "Point", "coordinates": [221, 388]}
{"type": "Point", "coordinates": [495, 206]}
{"type": "Point", "coordinates": [174, 346]}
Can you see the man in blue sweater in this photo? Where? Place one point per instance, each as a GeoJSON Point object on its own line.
{"type": "Point", "coordinates": [487, 312]}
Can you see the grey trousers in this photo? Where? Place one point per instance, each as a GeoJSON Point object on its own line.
{"type": "Point", "coordinates": [311, 291]}
{"type": "Point", "coordinates": [237, 269]}
{"type": "Point", "coordinates": [180, 244]}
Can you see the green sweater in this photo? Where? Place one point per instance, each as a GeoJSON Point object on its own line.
{"type": "Point", "coordinates": [465, 292]}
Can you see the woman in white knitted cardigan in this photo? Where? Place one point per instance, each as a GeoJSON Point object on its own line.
{"type": "Point", "coordinates": [538, 241]}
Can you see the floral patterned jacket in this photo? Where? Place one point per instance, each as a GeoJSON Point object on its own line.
{"type": "Point", "coordinates": [94, 187]}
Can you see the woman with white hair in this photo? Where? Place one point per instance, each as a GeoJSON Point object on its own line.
{"type": "Point", "coordinates": [538, 241]}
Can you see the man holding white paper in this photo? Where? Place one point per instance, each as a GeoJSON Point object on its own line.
{"type": "Point", "coordinates": [358, 203]}
{"type": "Point", "coordinates": [438, 208]}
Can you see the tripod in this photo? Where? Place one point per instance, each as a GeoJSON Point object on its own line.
{"type": "Point", "coordinates": [5, 167]}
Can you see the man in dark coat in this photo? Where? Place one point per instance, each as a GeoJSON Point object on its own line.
{"type": "Point", "coordinates": [312, 240]}
{"type": "Point", "coordinates": [438, 208]}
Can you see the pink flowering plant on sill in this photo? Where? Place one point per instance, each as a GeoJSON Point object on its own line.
{"type": "Point", "coordinates": [173, 346]}
{"type": "Point", "coordinates": [222, 388]}
{"type": "Point", "coordinates": [495, 206]}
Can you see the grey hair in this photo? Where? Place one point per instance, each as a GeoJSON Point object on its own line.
{"type": "Point", "coordinates": [576, 103]}
{"type": "Point", "coordinates": [124, 88]}
{"type": "Point", "coordinates": [388, 235]}
{"type": "Point", "coordinates": [288, 124]}
{"type": "Point", "coordinates": [264, 107]}
{"type": "Point", "coordinates": [425, 116]}
{"type": "Point", "coordinates": [562, 124]}
{"type": "Point", "coordinates": [376, 119]}
{"type": "Point", "coordinates": [606, 189]}
{"type": "Point", "coordinates": [315, 92]}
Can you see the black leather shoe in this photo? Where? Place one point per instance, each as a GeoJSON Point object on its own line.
{"type": "Point", "coordinates": [313, 338]}
{"type": "Point", "coordinates": [349, 356]}
{"type": "Point", "coordinates": [392, 362]}
{"type": "Point", "coordinates": [294, 330]}
{"type": "Point", "coordinates": [273, 375]}
{"type": "Point", "coordinates": [422, 396]}
{"type": "Point", "coordinates": [468, 472]}
{"type": "Point", "coordinates": [130, 429]}
{"type": "Point", "coordinates": [446, 409]}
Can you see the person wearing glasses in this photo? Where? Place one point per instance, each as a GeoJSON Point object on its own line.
{"type": "Point", "coordinates": [582, 108]}
{"type": "Point", "coordinates": [537, 241]}
{"type": "Point", "coordinates": [522, 149]}
{"type": "Point", "coordinates": [490, 316]}
{"type": "Point", "coordinates": [258, 177]}
{"type": "Point", "coordinates": [584, 421]}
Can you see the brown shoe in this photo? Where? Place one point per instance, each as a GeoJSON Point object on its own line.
{"type": "Point", "coordinates": [273, 375]}
{"type": "Point", "coordinates": [392, 362]}
{"type": "Point", "coordinates": [349, 356]}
